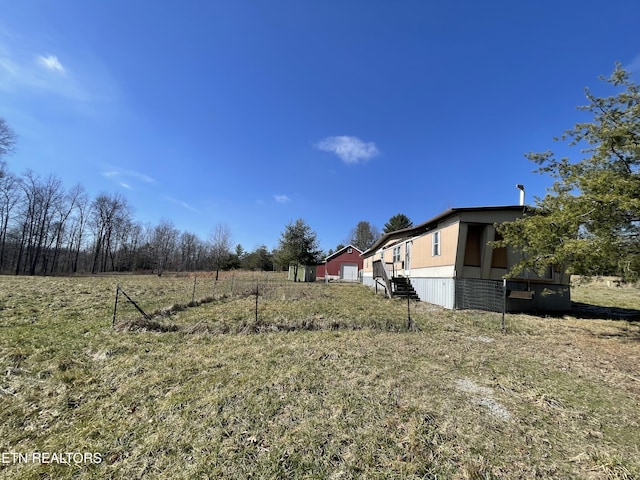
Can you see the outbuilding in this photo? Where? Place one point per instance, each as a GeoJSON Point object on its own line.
{"type": "Point", "coordinates": [302, 273]}
{"type": "Point", "coordinates": [343, 265]}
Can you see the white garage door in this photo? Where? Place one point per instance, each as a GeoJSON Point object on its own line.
{"type": "Point", "coordinates": [350, 272]}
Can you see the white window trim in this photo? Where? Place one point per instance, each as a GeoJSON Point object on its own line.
{"type": "Point", "coordinates": [435, 244]}
{"type": "Point", "coordinates": [396, 254]}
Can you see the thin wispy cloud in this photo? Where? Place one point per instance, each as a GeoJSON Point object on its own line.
{"type": "Point", "coordinates": [51, 62]}
{"type": "Point", "coordinates": [282, 198]}
{"type": "Point", "coordinates": [127, 179]}
{"type": "Point", "coordinates": [351, 150]}
{"type": "Point", "coordinates": [634, 66]}
{"type": "Point", "coordinates": [118, 174]}
{"type": "Point", "coordinates": [24, 69]}
{"type": "Point", "coordinates": [9, 67]}
{"type": "Point", "coordinates": [180, 203]}
{"type": "Point", "coordinates": [142, 177]}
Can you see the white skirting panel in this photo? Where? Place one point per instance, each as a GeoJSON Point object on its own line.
{"type": "Point", "coordinates": [439, 291]}
{"type": "Point", "coordinates": [367, 279]}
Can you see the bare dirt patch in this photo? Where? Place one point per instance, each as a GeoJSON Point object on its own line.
{"type": "Point", "coordinates": [483, 396]}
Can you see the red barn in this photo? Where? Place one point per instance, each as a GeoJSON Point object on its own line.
{"type": "Point", "coordinates": [343, 265]}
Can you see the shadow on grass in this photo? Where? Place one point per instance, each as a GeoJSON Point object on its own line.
{"type": "Point", "coordinates": [588, 311]}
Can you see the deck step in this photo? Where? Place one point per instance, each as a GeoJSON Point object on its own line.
{"type": "Point", "coordinates": [402, 288]}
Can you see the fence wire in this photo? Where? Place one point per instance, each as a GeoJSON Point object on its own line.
{"type": "Point", "coordinates": [476, 294]}
{"type": "Point", "coordinates": [159, 295]}
{"type": "Point", "coordinates": [261, 300]}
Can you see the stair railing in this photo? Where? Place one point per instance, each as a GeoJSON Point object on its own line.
{"type": "Point", "coordinates": [381, 270]}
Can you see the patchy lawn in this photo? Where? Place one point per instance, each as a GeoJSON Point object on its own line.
{"type": "Point", "coordinates": [324, 381]}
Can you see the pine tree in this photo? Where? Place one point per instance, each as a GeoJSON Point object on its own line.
{"type": "Point", "coordinates": [298, 246]}
{"type": "Point", "coordinates": [589, 220]}
{"type": "Point", "coordinates": [397, 222]}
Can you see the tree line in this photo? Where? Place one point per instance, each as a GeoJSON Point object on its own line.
{"type": "Point", "coordinates": [47, 229]}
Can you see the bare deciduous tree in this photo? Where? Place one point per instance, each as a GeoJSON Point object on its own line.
{"type": "Point", "coordinates": [364, 235]}
{"type": "Point", "coordinates": [163, 242]}
{"type": "Point", "coordinates": [191, 251]}
{"type": "Point", "coordinates": [78, 225]}
{"type": "Point", "coordinates": [220, 245]}
{"type": "Point", "coordinates": [10, 196]}
{"type": "Point", "coordinates": [108, 213]}
{"type": "Point", "coordinates": [7, 140]}
{"type": "Point", "coordinates": [42, 197]}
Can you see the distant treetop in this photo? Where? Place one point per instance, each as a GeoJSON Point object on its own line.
{"type": "Point", "coordinates": [397, 222]}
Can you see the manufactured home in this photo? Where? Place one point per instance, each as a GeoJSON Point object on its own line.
{"type": "Point", "coordinates": [448, 261]}
{"type": "Point", "coordinates": [343, 265]}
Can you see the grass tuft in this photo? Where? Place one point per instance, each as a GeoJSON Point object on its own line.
{"type": "Point", "coordinates": [324, 382]}
{"type": "Point", "coordinates": [142, 324]}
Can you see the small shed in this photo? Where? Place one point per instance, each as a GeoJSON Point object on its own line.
{"type": "Point", "coordinates": [343, 265]}
{"type": "Point", "coordinates": [306, 273]}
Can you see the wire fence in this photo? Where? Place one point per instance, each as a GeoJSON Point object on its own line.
{"type": "Point", "coordinates": [268, 300]}
{"type": "Point", "coordinates": [259, 301]}
{"type": "Point", "coordinates": [156, 293]}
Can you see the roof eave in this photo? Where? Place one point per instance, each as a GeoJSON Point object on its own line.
{"type": "Point", "coordinates": [432, 223]}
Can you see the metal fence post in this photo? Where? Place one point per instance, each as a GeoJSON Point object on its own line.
{"type": "Point", "coordinates": [257, 294]}
{"type": "Point", "coordinates": [409, 320]}
{"type": "Point", "coordinates": [115, 307]}
{"type": "Point", "coordinates": [504, 302]}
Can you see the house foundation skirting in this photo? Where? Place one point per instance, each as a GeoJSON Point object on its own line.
{"type": "Point", "coordinates": [477, 294]}
{"type": "Point", "coordinates": [480, 294]}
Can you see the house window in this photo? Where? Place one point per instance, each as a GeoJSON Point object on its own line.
{"type": "Point", "coordinates": [435, 244]}
{"type": "Point", "coordinates": [349, 250]}
{"type": "Point", "coordinates": [396, 254]}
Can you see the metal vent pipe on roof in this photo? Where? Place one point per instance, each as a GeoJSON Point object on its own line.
{"type": "Point", "coordinates": [521, 188]}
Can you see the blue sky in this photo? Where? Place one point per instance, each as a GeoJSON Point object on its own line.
{"type": "Point", "coordinates": [253, 114]}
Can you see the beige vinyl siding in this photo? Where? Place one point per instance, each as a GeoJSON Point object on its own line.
{"type": "Point", "coordinates": [367, 264]}
{"type": "Point", "coordinates": [387, 250]}
{"type": "Point", "coordinates": [421, 252]}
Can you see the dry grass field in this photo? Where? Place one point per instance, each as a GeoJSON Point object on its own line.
{"type": "Point", "coordinates": [326, 383]}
